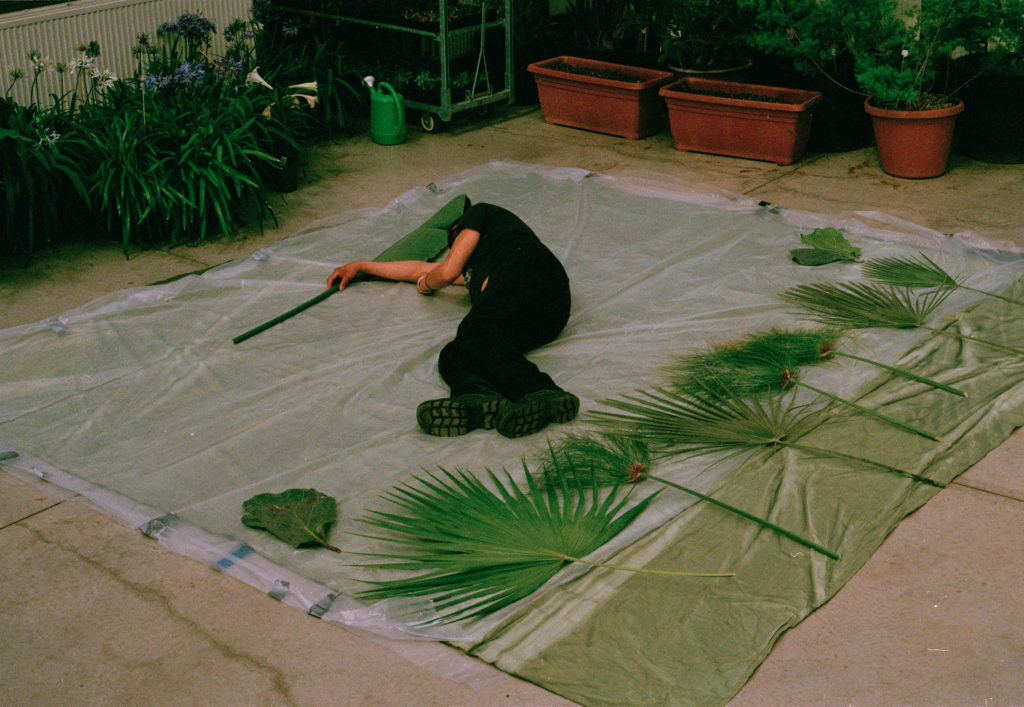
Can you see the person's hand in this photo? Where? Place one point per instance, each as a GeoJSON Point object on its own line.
{"type": "Point", "coordinates": [343, 275]}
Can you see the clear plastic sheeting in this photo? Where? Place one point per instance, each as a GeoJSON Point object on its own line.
{"type": "Point", "coordinates": [142, 397]}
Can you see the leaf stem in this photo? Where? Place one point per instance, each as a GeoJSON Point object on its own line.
{"type": "Point", "coordinates": [868, 411]}
{"type": "Point", "coordinates": [749, 516]}
{"type": "Point", "coordinates": [644, 570]}
{"type": "Point", "coordinates": [904, 373]}
{"type": "Point", "coordinates": [862, 460]}
{"type": "Point", "coordinates": [993, 294]}
{"type": "Point", "coordinates": [976, 340]}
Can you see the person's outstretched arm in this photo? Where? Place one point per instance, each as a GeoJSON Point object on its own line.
{"type": "Point", "coordinates": [434, 275]}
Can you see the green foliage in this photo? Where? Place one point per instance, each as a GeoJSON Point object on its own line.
{"type": "Point", "coordinates": [909, 272]}
{"type": "Point", "coordinates": [294, 46]}
{"type": "Point", "coordinates": [767, 363]}
{"type": "Point", "coordinates": [746, 366]}
{"type": "Point", "coordinates": [614, 458]}
{"type": "Point", "coordinates": [298, 517]}
{"type": "Point", "coordinates": [607, 458]}
{"type": "Point", "coordinates": [855, 305]}
{"type": "Point", "coordinates": [703, 34]}
{"type": "Point", "coordinates": [899, 59]}
{"type": "Point", "coordinates": [754, 365]}
{"type": "Point", "coordinates": [863, 306]}
{"type": "Point", "coordinates": [827, 245]}
{"type": "Point", "coordinates": [172, 155]}
{"type": "Point", "coordinates": [920, 272]}
{"type": "Point", "coordinates": [40, 187]}
{"type": "Point", "coordinates": [696, 423]}
{"type": "Point", "coordinates": [477, 550]}
{"type": "Point", "coordinates": [608, 24]}
{"type": "Point", "coordinates": [164, 166]}
{"type": "Point", "coordinates": [703, 423]}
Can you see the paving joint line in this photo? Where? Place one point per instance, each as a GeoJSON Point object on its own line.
{"type": "Point", "coordinates": [31, 515]}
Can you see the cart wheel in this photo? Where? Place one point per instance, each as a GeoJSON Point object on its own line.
{"type": "Point", "coordinates": [483, 110]}
{"type": "Point", "coordinates": [430, 123]}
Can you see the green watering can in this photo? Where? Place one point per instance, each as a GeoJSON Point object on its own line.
{"type": "Point", "coordinates": [387, 113]}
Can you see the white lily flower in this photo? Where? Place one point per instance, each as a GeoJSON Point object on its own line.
{"type": "Point", "coordinates": [309, 85]}
{"type": "Point", "coordinates": [311, 100]}
{"type": "Point", "coordinates": [254, 77]}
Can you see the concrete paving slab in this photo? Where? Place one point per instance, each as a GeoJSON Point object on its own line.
{"type": "Point", "coordinates": [103, 615]}
{"type": "Point", "coordinates": [855, 181]}
{"type": "Point", "coordinates": [21, 499]}
{"type": "Point", "coordinates": [933, 618]}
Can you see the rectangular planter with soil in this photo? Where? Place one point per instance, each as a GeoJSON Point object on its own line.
{"type": "Point", "coordinates": [740, 119]}
{"type": "Point", "coordinates": [601, 96]}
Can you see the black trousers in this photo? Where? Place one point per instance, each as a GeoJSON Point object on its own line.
{"type": "Point", "coordinates": [515, 313]}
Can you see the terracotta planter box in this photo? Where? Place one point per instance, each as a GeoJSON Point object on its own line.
{"type": "Point", "coordinates": [575, 92]}
{"type": "Point", "coordinates": [726, 118]}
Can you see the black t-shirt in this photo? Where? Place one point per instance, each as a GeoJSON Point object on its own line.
{"type": "Point", "coordinates": [508, 250]}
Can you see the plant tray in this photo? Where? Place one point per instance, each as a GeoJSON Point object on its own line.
{"type": "Point", "coordinates": [757, 122]}
{"type": "Point", "coordinates": [605, 97]}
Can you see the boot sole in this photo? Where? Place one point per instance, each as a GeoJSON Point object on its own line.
{"type": "Point", "coordinates": [528, 416]}
{"type": "Point", "coordinates": [451, 417]}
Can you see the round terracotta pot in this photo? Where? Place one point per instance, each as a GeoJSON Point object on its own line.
{"type": "Point", "coordinates": [913, 143]}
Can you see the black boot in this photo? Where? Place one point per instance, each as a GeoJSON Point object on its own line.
{"type": "Point", "coordinates": [450, 417]}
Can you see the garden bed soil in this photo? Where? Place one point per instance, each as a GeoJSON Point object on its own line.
{"type": "Point", "coordinates": [594, 72]}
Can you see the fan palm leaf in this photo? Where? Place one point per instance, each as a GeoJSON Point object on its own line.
{"type": "Point", "coordinates": [478, 550]}
{"type": "Point", "coordinates": [855, 305]}
{"type": "Point", "coordinates": [792, 348]}
{"type": "Point", "coordinates": [678, 422]}
{"type": "Point", "coordinates": [866, 306]}
{"type": "Point", "coordinates": [614, 458]}
{"type": "Point", "coordinates": [763, 365]}
{"type": "Point", "coordinates": [920, 272]}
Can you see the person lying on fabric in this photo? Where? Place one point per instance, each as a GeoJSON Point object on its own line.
{"type": "Point", "coordinates": [519, 296]}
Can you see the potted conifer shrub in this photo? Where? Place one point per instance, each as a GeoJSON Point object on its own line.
{"type": "Point", "coordinates": [704, 38]}
{"type": "Point", "coordinates": [900, 62]}
{"type": "Point", "coordinates": [993, 71]}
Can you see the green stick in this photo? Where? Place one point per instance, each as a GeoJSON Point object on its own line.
{"type": "Point", "coordinates": [287, 315]}
{"type": "Point", "coordinates": [868, 411]}
{"type": "Point", "coordinates": [749, 516]}
{"type": "Point", "coordinates": [861, 460]}
{"type": "Point", "coordinates": [425, 243]}
{"type": "Point", "coordinates": [904, 373]}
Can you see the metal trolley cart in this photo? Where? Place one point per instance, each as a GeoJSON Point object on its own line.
{"type": "Point", "coordinates": [481, 92]}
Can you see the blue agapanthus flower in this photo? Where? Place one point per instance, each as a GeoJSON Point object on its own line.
{"type": "Point", "coordinates": [155, 82]}
{"type": "Point", "coordinates": [190, 74]}
{"type": "Point", "coordinates": [190, 25]}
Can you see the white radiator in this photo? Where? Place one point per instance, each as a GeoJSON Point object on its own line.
{"type": "Point", "coordinates": [57, 31]}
